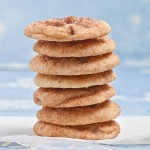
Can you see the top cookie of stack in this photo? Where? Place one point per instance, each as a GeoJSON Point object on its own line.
{"type": "Point", "coordinates": [67, 29]}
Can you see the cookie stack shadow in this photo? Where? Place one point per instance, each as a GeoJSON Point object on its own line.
{"type": "Point", "coordinates": [74, 66]}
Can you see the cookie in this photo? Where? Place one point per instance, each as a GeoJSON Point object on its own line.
{"type": "Point", "coordinates": [80, 81]}
{"type": "Point", "coordinates": [73, 66]}
{"type": "Point", "coordinates": [67, 29]}
{"type": "Point", "coordinates": [59, 98]}
{"type": "Point", "coordinates": [103, 112]}
{"type": "Point", "coordinates": [97, 131]}
{"type": "Point", "coordinates": [84, 48]}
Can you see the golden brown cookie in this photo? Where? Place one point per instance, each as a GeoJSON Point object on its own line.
{"type": "Point", "coordinates": [103, 112]}
{"type": "Point", "coordinates": [67, 29]}
{"type": "Point", "coordinates": [97, 131]}
{"type": "Point", "coordinates": [73, 66]}
{"type": "Point", "coordinates": [80, 81]}
{"type": "Point", "coordinates": [84, 48]}
{"type": "Point", "coordinates": [57, 98]}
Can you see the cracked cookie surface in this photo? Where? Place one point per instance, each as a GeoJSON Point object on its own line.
{"type": "Point", "coordinates": [67, 29]}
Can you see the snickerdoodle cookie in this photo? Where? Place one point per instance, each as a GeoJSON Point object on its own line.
{"type": "Point", "coordinates": [58, 97]}
{"type": "Point", "coordinates": [72, 116]}
{"type": "Point", "coordinates": [67, 29]}
{"type": "Point", "coordinates": [73, 66]}
{"type": "Point", "coordinates": [79, 81]}
{"type": "Point", "coordinates": [97, 131]}
{"type": "Point", "coordinates": [84, 48]}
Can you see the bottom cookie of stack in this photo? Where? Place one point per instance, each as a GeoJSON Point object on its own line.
{"type": "Point", "coordinates": [96, 131]}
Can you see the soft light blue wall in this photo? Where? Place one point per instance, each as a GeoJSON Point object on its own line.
{"type": "Point", "coordinates": [130, 29]}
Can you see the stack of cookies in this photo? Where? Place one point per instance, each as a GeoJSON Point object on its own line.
{"type": "Point", "coordinates": [74, 66]}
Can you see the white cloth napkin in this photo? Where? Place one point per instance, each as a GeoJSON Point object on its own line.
{"type": "Point", "coordinates": [36, 142]}
{"type": "Point", "coordinates": [134, 132]}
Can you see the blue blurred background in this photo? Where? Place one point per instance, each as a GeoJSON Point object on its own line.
{"type": "Point", "coordinates": [130, 22]}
